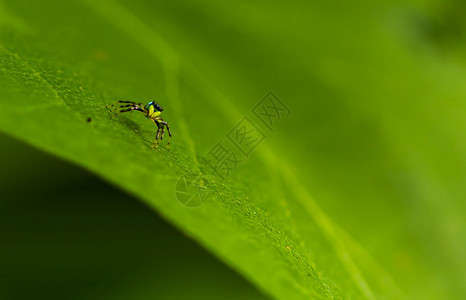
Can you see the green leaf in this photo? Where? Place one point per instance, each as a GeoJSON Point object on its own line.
{"type": "Point", "coordinates": [208, 65]}
{"type": "Point", "coordinates": [71, 235]}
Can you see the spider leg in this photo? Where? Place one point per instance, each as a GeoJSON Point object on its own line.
{"type": "Point", "coordinates": [156, 142]}
{"type": "Point", "coordinates": [158, 132]}
{"type": "Point", "coordinates": [168, 128]}
{"type": "Point", "coordinates": [121, 101]}
{"type": "Point", "coordinates": [121, 111]}
{"type": "Point", "coordinates": [132, 107]}
{"type": "Point", "coordinates": [169, 133]}
{"type": "Point", "coordinates": [163, 132]}
{"type": "Point", "coordinates": [121, 106]}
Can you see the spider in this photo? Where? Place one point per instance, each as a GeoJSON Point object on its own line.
{"type": "Point", "coordinates": [151, 110]}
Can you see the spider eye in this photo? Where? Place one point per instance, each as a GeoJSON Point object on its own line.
{"type": "Point", "coordinates": [149, 105]}
{"type": "Point", "coordinates": [155, 105]}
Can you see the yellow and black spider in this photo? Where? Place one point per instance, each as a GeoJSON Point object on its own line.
{"type": "Point", "coordinates": [151, 110]}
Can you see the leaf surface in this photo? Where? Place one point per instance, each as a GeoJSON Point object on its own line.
{"type": "Point", "coordinates": [61, 64]}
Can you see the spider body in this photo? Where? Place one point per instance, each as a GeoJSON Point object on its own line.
{"type": "Point", "coordinates": [151, 110]}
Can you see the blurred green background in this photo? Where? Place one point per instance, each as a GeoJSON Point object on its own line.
{"type": "Point", "coordinates": [377, 136]}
